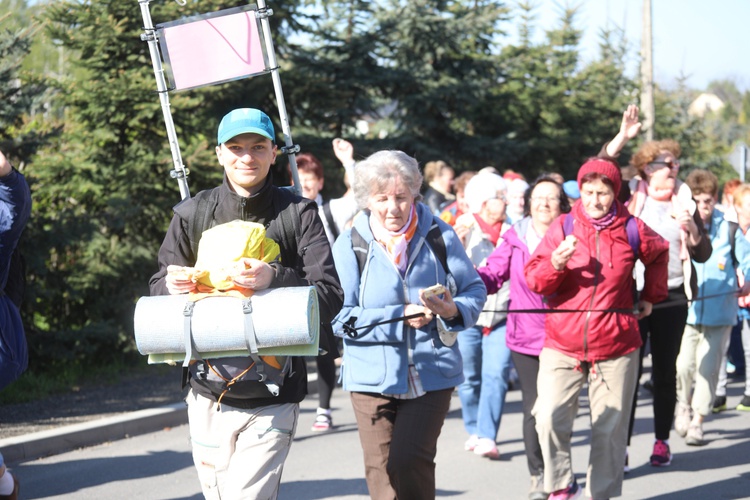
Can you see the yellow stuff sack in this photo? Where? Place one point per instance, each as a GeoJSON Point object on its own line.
{"type": "Point", "coordinates": [222, 247]}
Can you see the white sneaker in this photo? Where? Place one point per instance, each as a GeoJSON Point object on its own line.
{"type": "Point", "coordinates": [471, 443]}
{"type": "Point", "coordinates": [695, 435]}
{"type": "Point", "coordinates": [536, 490]}
{"type": "Point", "coordinates": [323, 422]}
{"type": "Point", "coordinates": [487, 448]}
{"type": "Point", "coordinates": [682, 419]}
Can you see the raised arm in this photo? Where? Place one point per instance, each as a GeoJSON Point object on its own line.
{"type": "Point", "coordinates": [344, 151]}
{"type": "Point", "coordinates": [629, 129]}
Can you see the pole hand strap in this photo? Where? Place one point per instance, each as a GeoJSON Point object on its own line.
{"type": "Point", "coordinates": [351, 330]}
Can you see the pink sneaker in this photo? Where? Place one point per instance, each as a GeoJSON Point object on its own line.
{"type": "Point", "coordinates": [323, 423]}
{"type": "Point", "coordinates": [661, 457]}
{"type": "Point", "coordinates": [570, 493]}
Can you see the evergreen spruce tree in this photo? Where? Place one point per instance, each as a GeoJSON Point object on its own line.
{"type": "Point", "coordinates": [20, 93]}
{"type": "Point", "coordinates": [332, 79]}
{"type": "Point", "coordinates": [440, 56]}
{"type": "Point", "coordinates": [560, 110]}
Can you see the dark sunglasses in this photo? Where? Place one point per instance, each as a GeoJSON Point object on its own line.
{"type": "Point", "coordinates": [671, 164]}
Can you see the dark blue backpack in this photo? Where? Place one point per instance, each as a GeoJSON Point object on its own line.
{"type": "Point", "coordinates": [14, 355]}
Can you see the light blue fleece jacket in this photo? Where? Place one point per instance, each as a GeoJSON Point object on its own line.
{"type": "Point", "coordinates": [377, 359]}
{"type": "Point", "coordinates": [718, 275]}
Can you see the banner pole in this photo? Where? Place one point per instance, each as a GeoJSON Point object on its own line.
{"type": "Point", "coordinates": [180, 172]}
{"type": "Point", "coordinates": [290, 149]}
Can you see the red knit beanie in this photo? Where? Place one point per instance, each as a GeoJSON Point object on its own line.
{"type": "Point", "coordinates": [602, 167]}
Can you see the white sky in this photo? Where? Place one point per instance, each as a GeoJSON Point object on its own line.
{"type": "Point", "coordinates": [703, 39]}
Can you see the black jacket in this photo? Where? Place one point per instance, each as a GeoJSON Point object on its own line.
{"type": "Point", "coordinates": [434, 199]}
{"type": "Point", "coordinates": [310, 264]}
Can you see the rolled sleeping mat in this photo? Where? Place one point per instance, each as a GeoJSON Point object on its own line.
{"type": "Point", "coordinates": [281, 317]}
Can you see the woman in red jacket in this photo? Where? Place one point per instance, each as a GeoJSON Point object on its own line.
{"type": "Point", "coordinates": [587, 266]}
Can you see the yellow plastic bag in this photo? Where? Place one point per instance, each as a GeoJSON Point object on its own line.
{"type": "Point", "coordinates": [222, 247]}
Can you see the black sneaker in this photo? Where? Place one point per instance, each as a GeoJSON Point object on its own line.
{"type": "Point", "coordinates": [744, 404]}
{"type": "Point", "coordinates": [648, 385]}
{"type": "Point", "coordinates": [720, 404]}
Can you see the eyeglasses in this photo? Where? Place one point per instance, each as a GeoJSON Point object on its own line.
{"type": "Point", "coordinates": [672, 164]}
{"type": "Point", "coordinates": [705, 201]}
{"type": "Point", "coordinates": [549, 200]}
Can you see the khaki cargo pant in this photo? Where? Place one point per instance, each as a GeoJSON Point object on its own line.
{"type": "Point", "coordinates": [611, 385]}
{"type": "Point", "coordinates": [240, 453]}
{"type": "Point", "coordinates": [700, 357]}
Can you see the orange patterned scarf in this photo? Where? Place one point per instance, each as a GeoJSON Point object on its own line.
{"type": "Point", "coordinates": [397, 242]}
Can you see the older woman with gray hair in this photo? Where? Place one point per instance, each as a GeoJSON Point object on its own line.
{"type": "Point", "coordinates": [401, 362]}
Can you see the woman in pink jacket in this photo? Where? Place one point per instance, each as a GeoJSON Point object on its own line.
{"type": "Point", "coordinates": [544, 202]}
{"type": "Point", "coordinates": [585, 265]}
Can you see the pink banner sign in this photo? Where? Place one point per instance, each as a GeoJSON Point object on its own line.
{"type": "Point", "coordinates": [212, 49]}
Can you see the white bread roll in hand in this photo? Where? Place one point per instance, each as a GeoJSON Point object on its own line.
{"type": "Point", "coordinates": [570, 241]}
{"type": "Point", "coordinates": [564, 252]}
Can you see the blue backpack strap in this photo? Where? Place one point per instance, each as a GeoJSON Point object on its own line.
{"type": "Point", "coordinates": [634, 237]}
{"type": "Point", "coordinates": [360, 247]}
{"type": "Point", "coordinates": [568, 224]}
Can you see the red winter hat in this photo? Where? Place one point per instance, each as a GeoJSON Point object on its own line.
{"type": "Point", "coordinates": [602, 167]}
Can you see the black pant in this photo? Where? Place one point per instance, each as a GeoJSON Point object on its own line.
{"type": "Point", "coordinates": [528, 368]}
{"type": "Point", "coordinates": [663, 328]}
{"type": "Point", "coordinates": [326, 377]}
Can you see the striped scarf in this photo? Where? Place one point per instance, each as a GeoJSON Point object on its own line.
{"type": "Point", "coordinates": [605, 221]}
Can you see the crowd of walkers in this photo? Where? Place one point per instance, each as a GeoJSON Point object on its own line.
{"type": "Point", "coordinates": [492, 281]}
{"type": "Point", "coordinates": [582, 278]}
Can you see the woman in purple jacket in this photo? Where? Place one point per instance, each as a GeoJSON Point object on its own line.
{"type": "Point", "coordinates": [545, 201]}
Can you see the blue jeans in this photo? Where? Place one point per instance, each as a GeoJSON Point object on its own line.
{"type": "Point", "coordinates": [487, 364]}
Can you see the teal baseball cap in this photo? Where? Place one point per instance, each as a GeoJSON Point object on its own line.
{"type": "Point", "coordinates": [245, 121]}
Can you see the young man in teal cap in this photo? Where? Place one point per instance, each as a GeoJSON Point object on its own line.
{"type": "Point", "coordinates": [240, 431]}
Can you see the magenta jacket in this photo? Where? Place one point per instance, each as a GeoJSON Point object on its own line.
{"type": "Point", "coordinates": [525, 332]}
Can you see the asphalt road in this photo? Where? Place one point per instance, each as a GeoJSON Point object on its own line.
{"type": "Point", "coordinates": [158, 465]}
